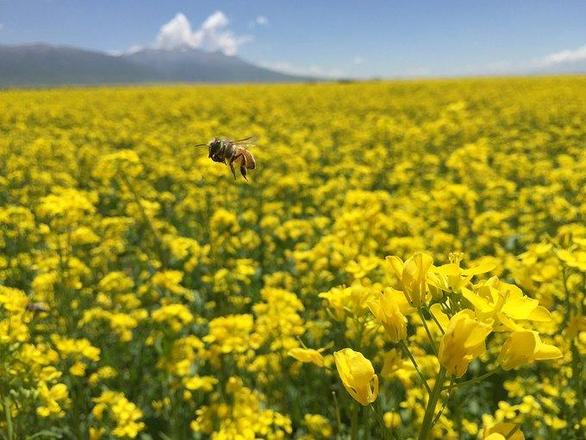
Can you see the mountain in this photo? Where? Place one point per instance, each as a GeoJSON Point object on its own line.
{"type": "Point", "coordinates": [194, 65]}
{"type": "Point", "coordinates": [34, 65]}
{"type": "Point", "coordinates": [44, 65]}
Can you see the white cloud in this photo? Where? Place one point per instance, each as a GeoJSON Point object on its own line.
{"type": "Point", "coordinates": [261, 20]}
{"type": "Point", "coordinates": [312, 70]}
{"type": "Point", "coordinates": [555, 62]}
{"type": "Point", "coordinates": [213, 34]}
{"type": "Point", "coordinates": [135, 48]}
{"type": "Point", "coordinates": [563, 57]}
{"type": "Point", "coordinates": [176, 32]}
{"type": "Point", "coordinates": [358, 61]}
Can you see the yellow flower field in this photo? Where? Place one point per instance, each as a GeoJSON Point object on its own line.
{"type": "Point", "coordinates": [407, 261]}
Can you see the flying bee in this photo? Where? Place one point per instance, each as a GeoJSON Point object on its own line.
{"type": "Point", "coordinates": [228, 152]}
{"type": "Point", "coordinates": [37, 307]}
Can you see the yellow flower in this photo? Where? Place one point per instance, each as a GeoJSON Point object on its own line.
{"type": "Point", "coordinates": [318, 425]}
{"type": "Point", "coordinates": [176, 316]}
{"type": "Point", "coordinates": [307, 355]}
{"type": "Point", "coordinates": [69, 347]}
{"type": "Point", "coordinates": [170, 280]}
{"type": "Point", "coordinates": [503, 431]}
{"type": "Point", "coordinates": [205, 383]}
{"type": "Point", "coordinates": [412, 276]}
{"type": "Point", "coordinates": [392, 419]}
{"type": "Point", "coordinates": [124, 414]}
{"type": "Point", "coordinates": [52, 398]}
{"type": "Point", "coordinates": [554, 422]}
{"type": "Point", "coordinates": [362, 267]}
{"type": "Point", "coordinates": [387, 308]}
{"type": "Point", "coordinates": [452, 276]}
{"type": "Point", "coordinates": [497, 301]}
{"type": "Point", "coordinates": [462, 342]}
{"type": "Point", "coordinates": [576, 325]}
{"type": "Point", "coordinates": [232, 333]}
{"type": "Point", "coordinates": [358, 376]}
{"type": "Point", "coordinates": [66, 206]}
{"type": "Point", "coordinates": [278, 318]}
{"type": "Point", "coordinates": [353, 299]}
{"type": "Point", "coordinates": [241, 414]}
{"type": "Point", "coordinates": [470, 427]}
{"type": "Point", "coordinates": [525, 346]}
{"type": "Point", "coordinates": [78, 369]}
{"type": "Point", "coordinates": [96, 433]}
{"type": "Point", "coordinates": [106, 372]}
{"type": "Point", "coordinates": [575, 259]}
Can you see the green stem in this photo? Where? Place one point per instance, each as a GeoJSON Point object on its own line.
{"type": "Point", "coordinates": [511, 432]}
{"type": "Point", "coordinates": [445, 404]}
{"type": "Point", "coordinates": [337, 408]}
{"type": "Point", "coordinates": [360, 325]}
{"type": "Point", "coordinates": [145, 218]}
{"type": "Point", "coordinates": [414, 362]}
{"type": "Point", "coordinates": [577, 373]}
{"type": "Point", "coordinates": [431, 404]}
{"type": "Point", "coordinates": [367, 423]}
{"type": "Point", "coordinates": [471, 381]}
{"type": "Point", "coordinates": [9, 426]}
{"type": "Point", "coordinates": [431, 341]}
{"type": "Point", "coordinates": [391, 430]}
{"type": "Point", "coordinates": [435, 320]}
{"type": "Point", "coordinates": [354, 422]}
{"type": "Point", "coordinates": [576, 358]}
{"type": "Point", "coordinates": [377, 411]}
{"type": "Point", "coordinates": [567, 302]}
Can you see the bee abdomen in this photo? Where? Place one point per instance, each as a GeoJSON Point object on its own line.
{"type": "Point", "coordinates": [249, 160]}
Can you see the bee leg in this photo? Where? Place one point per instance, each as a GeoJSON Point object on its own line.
{"type": "Point", "coordinates": [242, 158]}
{"type": "Point", "coordinates": [243, 170]}
{"type": "Point", "coordinates": [231, 163]}
{"type": "Point", "coordinates": [232, 169]}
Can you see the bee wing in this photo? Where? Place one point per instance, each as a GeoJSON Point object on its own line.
{"type": "Point", "coordinates": [251, 140]}
{"type": "Point", "coordinates": [200, 145]}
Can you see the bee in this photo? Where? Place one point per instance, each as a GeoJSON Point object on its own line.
{"type": "Point", "coordinates": [228, 152]}
{"type": "Point", "coordinates": [37, 307]}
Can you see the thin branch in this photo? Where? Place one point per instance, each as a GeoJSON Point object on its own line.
{"type": "Point", "coordinates": [414, 362]}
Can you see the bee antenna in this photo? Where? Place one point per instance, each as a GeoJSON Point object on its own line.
{"type": "Point", "coordinates": [201, 145]}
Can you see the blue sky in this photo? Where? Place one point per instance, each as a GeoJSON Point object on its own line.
{"type": "Point", "coordinates": [342, 37]}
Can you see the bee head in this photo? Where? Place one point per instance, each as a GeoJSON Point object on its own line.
{"type": "Point", "coordinates": [215, 145]}
{"type": "Point", "coordinates": [216, 149]}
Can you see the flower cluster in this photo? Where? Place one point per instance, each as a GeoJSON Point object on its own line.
{"type": "Point", "coordinates": [407, 261]}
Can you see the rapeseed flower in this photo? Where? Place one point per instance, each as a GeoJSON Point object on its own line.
{"type": "Point", "coordinates": [177, 297]}
{"type": "Point", "coordinates": [357, 375]}
{"type": "Point", "coordinates": [412, 275]}
{"type": "Point", "coordinates": [526, 346]}
{"type": "Point", "coordinates": [463, 341]}
{"type": "Point", "coordinates": [388, 310]}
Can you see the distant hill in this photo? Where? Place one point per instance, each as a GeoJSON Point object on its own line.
{"type": "Point", "coordinates": [191, 65]}
{"type": "Point", "coordinates": [45, 65]}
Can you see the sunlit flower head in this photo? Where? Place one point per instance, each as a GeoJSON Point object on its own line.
{"type": "Point", "coordinates": [357, 374]}
{"type": "Point", "coordinates": [523, 347]}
